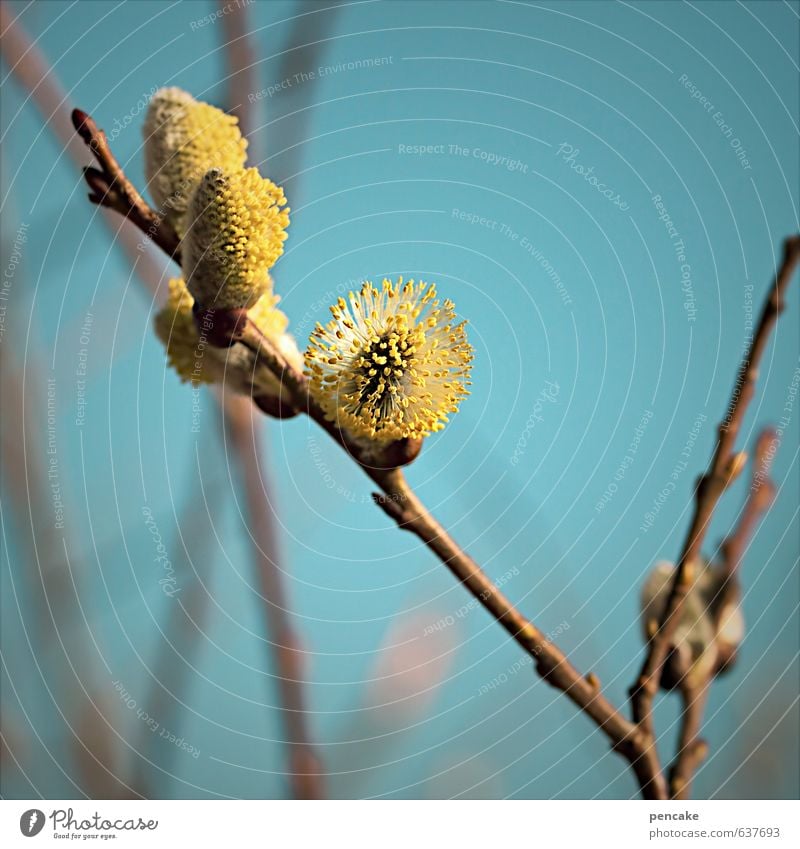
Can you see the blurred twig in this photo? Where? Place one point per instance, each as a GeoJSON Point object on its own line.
{"type": "Point", "coordinates": [724, 468]}
{"type": "Point", "coordinates": [691, 749]}
{"type": "Point", "coordinates": [240, 56]}
{"type": "Point", "coordinates": [759, 498]}
{"type": "Point", "coordinates": [92, 743]}
{"type": "Point", "coordinates": [308, 39]}
{"type": "Point", "coordinates": [187, 613]}
{"type": "Point", "coordinates": [35, 76]}
{"type": "Point", "coordinates": [305, 769]}
{"type": "Point", "coordinates": [113, 191]}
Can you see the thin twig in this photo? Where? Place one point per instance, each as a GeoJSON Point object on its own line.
{"type": "Point", "coordinates": [759, 498]}
{"type": "Point", "coordinates": [725, 466]}
{"type": "Point", "coordinates": [691, 749]}
{"type": "Point", "coordinates": [111, 188]}
{"type": "Point", "coordinates": [401, 504]}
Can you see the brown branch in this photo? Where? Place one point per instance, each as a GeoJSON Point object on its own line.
{"type": "Point", "coordinates": [306, 774]}
{"type": "Point", "coordinates": [691, 749]}
{"type": "Point", "coordinates": [401, 504]}
{"type": "Point", "coordinates": [240, 57]}
{"type": "Point", "coordinates": [725, 466]}
{"type": "Point", "coordinates": [633, 740]}
{"type": "Point", "coordinates": [305, 769]}
{"type": "Point", "coordinates": [111, 188]}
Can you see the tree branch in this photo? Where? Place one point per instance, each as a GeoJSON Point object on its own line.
{"type": "Point", "coordinates": [111, 188]}
{"type": "Point", "coordinates": [691, 749]}
{"type": "Point", "coordinates": [305, 769]}
{"type": "Point", "coordinates": [635, 741]}
{"type": "Point", "coordinates": [401, 504]}
{"type": "Point", "coordinates": [306, 775]}
{"type": "Point", "coordinates": [725, 466]}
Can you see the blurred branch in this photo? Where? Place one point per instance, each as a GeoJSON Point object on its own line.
{"type": "Point", "coordinates": [691, 749]}
{"type": "Point", "coordinates": [760, 496]}
{"type": "Point", "coordinates": [306, 774]}
{"type": "Point", "coordinates": [35, 76]}
{"type": "Point", "coordinates": [308, 39]}
{"type": "Point", "coordinates": [305, 769]}
{"type": "Point", "coordinates": [724, 468]}
{"type": "Point", "coordinates": [239, 54]}
{"type": "Point", "coordinates": [187, 613]}
{"type": "Point", "coordinates": [92, 733]}
{"type": "Point", "coordinates": [110, 187]}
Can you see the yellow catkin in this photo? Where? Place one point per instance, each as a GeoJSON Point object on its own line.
{"type": "Point", "coordinates": [184, 138]}
{"type": "Point", "coordinates": [189, 353]}
{"type": "Point", "coordinates": [392, 363]}
{"type": "Point", "coordinates": [236, 228]}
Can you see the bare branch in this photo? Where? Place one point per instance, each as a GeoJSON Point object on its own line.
{"type": "Point", "coordinates": [633, 740]}
{"type": "Point", "coordinates": [402, 506]}
{"type": "Point", "coordinates": [240, 57]}
{"type": "Point", "coordinates": [307, 778]}
{"type": "Point", "coordinates": [111, 188]}
{"type": "Point", "coordinates": [691, 749]}
{"type": "Point", "coordinates": [725, 466]}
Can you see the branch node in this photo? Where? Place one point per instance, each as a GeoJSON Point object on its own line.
{"type": "Point", "coordinates": [390, 505]}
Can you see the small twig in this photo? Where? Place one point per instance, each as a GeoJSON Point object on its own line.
{"type": "Point", "coordinates": [691, 749]}
{"type": "Point", "coordinates": [112, 189]}
{"type": "Point", "coordinates": [759, 498]}
{"type": "Point", "coordinates": [725, 466]}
